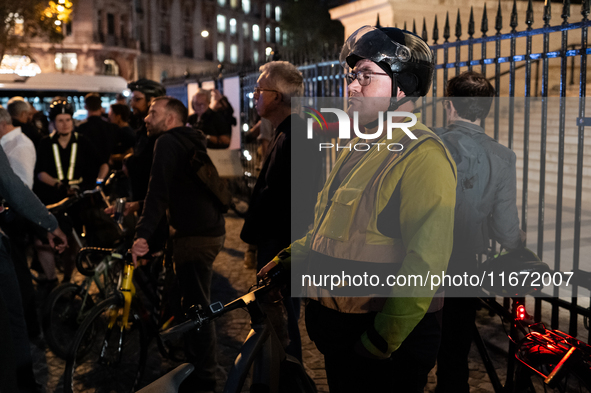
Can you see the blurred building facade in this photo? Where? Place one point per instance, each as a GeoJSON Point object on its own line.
{"type": "Point", "coordinates": [160, 39]}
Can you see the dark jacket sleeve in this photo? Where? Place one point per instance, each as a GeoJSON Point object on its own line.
{"type": "Point", "coordinates": [21, 199]}
{"type": "Point", "coordinates": [164, 165]}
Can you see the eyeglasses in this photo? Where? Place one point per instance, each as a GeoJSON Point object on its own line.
{"type": "Point", "coordinates": [257, 90]}
{"type": "Point", "coordinates": [363, 76]}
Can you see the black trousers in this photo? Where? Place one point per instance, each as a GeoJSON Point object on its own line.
{"type": "Point", "coordinates": [456, 339]}
{"type": "Point", "coordinates": [406, 371]}
{"type": "Point", "coordinates": [193, 258]}
{"type": "Point", "coordinates": [266, 251]}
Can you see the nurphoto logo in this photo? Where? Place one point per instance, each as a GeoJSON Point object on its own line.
{"type": "Point", "coordinates": [344, 122]}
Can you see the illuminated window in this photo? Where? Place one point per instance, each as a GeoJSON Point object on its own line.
{"type": "Point", "coordinates": [20, 65]}
{"type": "Point", "coordinates": [234, 3]}
{"type": "Point", "coordinates": [245, 29]}
{"type": "Point", "coordinates": [221, 19]}
{"type": "Point", "coordinates": [222, 2]}
{"type": "Point", "coordinates": [221, 51]}
{"type": "Point", "coordinates": [267, 34]}
{"type": "Point", "coordinates": [66, 61]}
{"type": "Point", "coordinates": [255, 57]}
{"type": "Point", "coordinates": [246, 6]}
{"type": "Point", "coordinates": [232, 26]}
{"type": "Point", "coordinates": [277, 13]}
{"type": "Point", "coordinates": [278, 35]}
{"type": "Point", "coordinates": [111, 67]}
{"type": "Point", "coordinates": [256, 33]}
{"type": "Point", "coordinates": [18, 23]}
{"type": "Point", "coordinates": [234, 53]}
{"type": "Point", "coordinates": [268, 10]}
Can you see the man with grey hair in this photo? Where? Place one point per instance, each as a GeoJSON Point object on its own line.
{"type": "Point", "coordinates": [20, 111]}
{"type": "Point", "coordinates": [210, 122]}
{"type": "Point", "coordinates": [270, 210]}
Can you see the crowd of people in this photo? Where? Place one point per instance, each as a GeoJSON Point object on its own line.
{"type": "Point", "coordinates": [432, 207]}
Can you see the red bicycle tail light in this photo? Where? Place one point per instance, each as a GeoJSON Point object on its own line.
{"type": "Point", "coordinates": [521, 312]}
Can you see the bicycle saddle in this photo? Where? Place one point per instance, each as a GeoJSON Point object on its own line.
{"type": "Point", "coordinates": [170, 382]}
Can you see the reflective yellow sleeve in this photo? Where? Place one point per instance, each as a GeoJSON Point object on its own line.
{"type": "Point", "coordinates": [427, 192]}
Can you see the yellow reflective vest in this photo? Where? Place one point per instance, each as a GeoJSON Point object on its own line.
{"type": "Point", "coordinates": [345, 227]}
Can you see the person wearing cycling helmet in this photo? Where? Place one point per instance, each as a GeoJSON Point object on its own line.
{"type": "Point", "coordinates": [138, 165]}
{"type": "Point", "coordinates": [388, 210]}
{"type": "Point", "coordinates": [66, 163]}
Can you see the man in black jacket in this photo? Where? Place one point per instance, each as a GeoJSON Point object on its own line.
{"type": "Point", "coordinates": [100, 132]}
{"type": "Point", "coordinates": [217, 131]}
{"type": "Point", "coordinates": [198, 227]}
{"type": "Point", "coordinates": [277, 214]}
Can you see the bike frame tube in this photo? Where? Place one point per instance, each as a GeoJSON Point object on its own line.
{"type": "Point", "coordinates": [261, 348]}
{"type": "Point", "coordinates": [128, 290]}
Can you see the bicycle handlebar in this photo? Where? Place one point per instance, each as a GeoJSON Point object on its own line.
{"type": "Point", "coordinates": [68, 202]}
{"type": "Point", "coordinates": [198, 317]}
{"type": "Point", "coordinates": [88, 251]}
{"type": "Point", "coordinates": [177, 330]}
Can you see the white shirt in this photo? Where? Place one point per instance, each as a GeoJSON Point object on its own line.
{"type": "Point", "coordinates": [21, 154]}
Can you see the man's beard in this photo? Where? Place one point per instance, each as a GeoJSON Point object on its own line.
{"type": "Point", "coordinates": [156, 129]}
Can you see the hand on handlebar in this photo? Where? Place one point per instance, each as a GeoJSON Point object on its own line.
{"type": "Point", "coordinates": [63, 240]}
{"type": "Point", "coordinates": [130, 207]}
{"type": "Point", "coordinates": [139, 249]}
{"type": "Point", "coordinates": [265, 269]}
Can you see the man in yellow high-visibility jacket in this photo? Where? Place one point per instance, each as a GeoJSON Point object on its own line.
{"type": "Point", "coordinates": [384, 212]}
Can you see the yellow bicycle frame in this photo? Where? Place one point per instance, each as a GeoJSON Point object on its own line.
{"type": "Point", "coordinates": [128, 291]}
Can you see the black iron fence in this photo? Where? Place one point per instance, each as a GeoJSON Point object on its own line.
{"type": "Point", "coordinates": [507, 59]}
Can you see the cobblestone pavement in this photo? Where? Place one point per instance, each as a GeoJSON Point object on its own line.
{"type": "Point", "coordinates": [231, 280]}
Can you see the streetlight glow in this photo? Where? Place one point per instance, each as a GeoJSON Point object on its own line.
{"type": "Point", "coordinates": [205, 33]}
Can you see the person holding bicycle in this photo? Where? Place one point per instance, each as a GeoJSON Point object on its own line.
{"type": "Point", "coordinates": [66, 163]}
{"type": "Point", "coordinates": [196, 219]}
{"type": "Point", "coordinates": [381, 209]}
{"type": "Point", "coordinates": [485, 202]}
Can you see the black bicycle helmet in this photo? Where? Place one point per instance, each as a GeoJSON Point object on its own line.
{"type": "Point", "coordinates": [519, 263]}
{"type": "Point", "coordinates": [59, 106]}
{"type": "Point", "coordinates": [401, 54]}
{"type": "Point", "coordinates": [147, 87]}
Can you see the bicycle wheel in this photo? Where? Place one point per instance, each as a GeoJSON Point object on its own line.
{"type": "Point", "coordinates": [63, 313]}
{"type": "Point", "coordinates": [101, 359]}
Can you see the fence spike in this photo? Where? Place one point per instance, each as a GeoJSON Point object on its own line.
{"type": "Point", "coordinates": [547, 12]}
{"type": "Point", "coordinates": [499, 19]}
{"type": "Point", "coordinates": [529, 15]}
{"type": "Point", "coordinates": [458, 26]}
{"type": "Point", "coordinates": [378, 22]}
{"type": "Point", "coordinates": [435, 31]}
{"type": "Point", "coordinates": [404, 26]}
{"type": "Point", "coordinates": [446, 27]}
{"type": "Point", "coordinates": [471, 23]}
{"type": "Point", "coordinates": [513, 22]}
{"type": "Point", "coordinates": [424, 34]}
{"type": "Point", "coordinates": [484, 23]}
{"type": "Point", "coordinates": [565, 11]}
{"type": "Point", "coordinates": [414, 26]}
{"type": "Point", "coordinates": [585, 8]}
